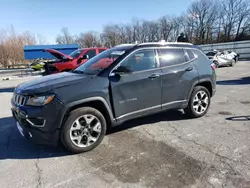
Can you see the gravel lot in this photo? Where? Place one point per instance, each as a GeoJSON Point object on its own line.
{"type": "Point", "coordinates": [163, 150]}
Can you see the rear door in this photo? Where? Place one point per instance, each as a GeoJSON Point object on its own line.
{"type": "Point", "coordinates": [177, 75]}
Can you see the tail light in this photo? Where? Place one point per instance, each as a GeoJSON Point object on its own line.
{"type": "Point", "coordinates": [213, 66]}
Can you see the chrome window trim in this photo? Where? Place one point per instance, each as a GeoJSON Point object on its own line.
{"type": "Point", "coordinates": [157, 57]}
{"type": "Point", "coordinates": [186, 62]}
{"type": "Point", "coordinates": [138, 111]}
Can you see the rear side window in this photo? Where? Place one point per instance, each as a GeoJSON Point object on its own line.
{"type": "Point", "coordinates": [190, 54]}
{"type": "Point", "coordinates": [101, 50]}
{"type": "Point", "coordinates": [170, 56]}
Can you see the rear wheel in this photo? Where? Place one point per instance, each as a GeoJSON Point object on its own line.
{"type": "Point", "coordinates": [84, 130]}
{"type": "Point", "coordinates": [199, 102]}
{"type": "Point", "coordinates": [233, 63]}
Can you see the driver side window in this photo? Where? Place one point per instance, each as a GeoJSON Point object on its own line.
{"type": "Point", "coordinates": [91, 53]}
{"type": "Point", "coordinates": [141, 60]}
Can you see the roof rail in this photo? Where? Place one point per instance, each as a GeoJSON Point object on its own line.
{"type": "Point", "coordinates": [125, 45]}
{"type": "Point", "coordinates": [165, 43]}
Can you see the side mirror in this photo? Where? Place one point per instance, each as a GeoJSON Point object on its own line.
{"type": "Point", "coordinates": [122, 70]}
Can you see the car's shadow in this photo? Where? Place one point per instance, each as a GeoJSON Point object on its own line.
{"type": "Point", "coordinates": [14, 146]}
{"type": "Point", "coordinates": [241, 81]}
{"type": "Point", "coordinates": [172, 115]}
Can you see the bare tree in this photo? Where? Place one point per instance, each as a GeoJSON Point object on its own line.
{"type": "Point", "coordinates": [40, 39]}
{"type": "Point", "coordinates": [235, 17]}
{"type": "Point", "coordinates": [89, 39]}
{"type": "Point", "coordinates": [177, 28]}
{"type": "Point", "coordinates": [202, 16]}
{"type": "Point", "coordinates": [111, 35]}
{"type": "Point", "coordinates": [136, 30]}
{"type": "Point", "coordinates": [11, 46]}
{"type": "Point", "coordinates": [65, 37]}
{"type": "Point", "coordinates": [243, 17]}
{"type": "Point", "coordinates": [165, 26]}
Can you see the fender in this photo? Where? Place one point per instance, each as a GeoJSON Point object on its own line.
{"type": "Point", "coordinates": [196, 83]}
{"type": "Point", "coordinates": [82, 101]}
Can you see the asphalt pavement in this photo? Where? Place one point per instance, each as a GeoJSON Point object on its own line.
{"type": "Point", "coordinates": [165, 150]}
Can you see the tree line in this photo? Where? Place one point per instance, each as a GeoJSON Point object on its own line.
{"type": "Point", "coordinates": [12, 43]}
{"type": "Point", "coordinates": [205, 21]}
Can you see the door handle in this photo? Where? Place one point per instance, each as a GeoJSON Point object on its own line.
{"type": "Point", "coordinates": [153, 76]}
{"type": "Point", "coordinates": [189, 69]}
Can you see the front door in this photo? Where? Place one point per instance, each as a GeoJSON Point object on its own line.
{"type": "Point", "coordinates": [139, 92]}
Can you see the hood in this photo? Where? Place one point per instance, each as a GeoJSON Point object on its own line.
{"type": "Point", "coordinates": [57, 54]}
{"type": "Point", "coordinates": [51, 82]}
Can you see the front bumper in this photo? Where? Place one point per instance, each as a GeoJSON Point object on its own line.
{"type": "Point", "coordinates": [39, 124]}
{"type": "Point", "coordinates": [214, 91]}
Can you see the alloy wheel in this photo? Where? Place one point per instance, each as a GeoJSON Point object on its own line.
{"type": "Point", "coordinates": [85, 130]}
{"type": "Point", "coordinates": [200, 102]}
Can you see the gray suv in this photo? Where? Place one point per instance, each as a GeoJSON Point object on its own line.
{"type": "Point", "coordinates": [125, 82]}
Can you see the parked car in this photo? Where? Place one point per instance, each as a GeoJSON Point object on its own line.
{"type": "Point", "coordinates": [65, 63]}
{"type": "Point", "coordinates": [223, 58]}
{"type": "Point", "coordinates": [38, 64]}
{"type": "Point", "coordinates": [120, 84]}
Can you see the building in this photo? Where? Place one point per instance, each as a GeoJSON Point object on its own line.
{"type": "Point", "coordinates": [36, 51]}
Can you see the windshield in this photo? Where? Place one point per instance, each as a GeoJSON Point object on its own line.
{"type": "Point", "coordinates": [101, 61]}
{"type": "Point", "coordinates": [210, 53]}
{"type": "Point", "coordinates": [75, 54]}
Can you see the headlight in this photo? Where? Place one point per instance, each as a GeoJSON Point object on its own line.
{"type": "Point", "coordinates": [39, 100]}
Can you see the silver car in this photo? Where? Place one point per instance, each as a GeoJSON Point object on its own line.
{"type": "Point", "coordinates": [223, 58]}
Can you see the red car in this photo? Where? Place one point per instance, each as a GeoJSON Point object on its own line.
{"type": "Point", "coordinates": [69, 62]}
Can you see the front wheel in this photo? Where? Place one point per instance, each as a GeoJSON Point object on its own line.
{"type": "Point", "coordinates": [84, 130]}
{"type": "Point", "coordinates": [199, 102]}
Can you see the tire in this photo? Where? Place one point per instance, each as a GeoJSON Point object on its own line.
{"type": "Point", "coordinates": [190, 110]}
{"type": "Point", "coordinates": [233, 63]}
{"type": "Point", "coordinates": [216, 64]}
{"type": "Point", "coordinates": [67, 133]}
{"type": "Point", "coordinates": [66, 70]}
{"type": "Point", "coordinates": [236, 59]}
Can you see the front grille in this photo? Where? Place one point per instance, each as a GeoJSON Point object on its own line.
{"type": "Point", "coordinates": [19, 99]}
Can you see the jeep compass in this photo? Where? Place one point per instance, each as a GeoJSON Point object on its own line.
{"type": "Point", "coordinates": [122, 83]}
